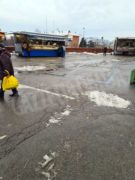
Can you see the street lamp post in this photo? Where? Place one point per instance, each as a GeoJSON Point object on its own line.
{"type": "Point", "coordinates": [83, 31]}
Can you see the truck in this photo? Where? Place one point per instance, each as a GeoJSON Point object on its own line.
{"type": "Point", "coordinates": [124, 46]}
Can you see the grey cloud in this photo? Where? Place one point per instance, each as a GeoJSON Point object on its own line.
{"type": "Point", "coordinates": [107, 17]}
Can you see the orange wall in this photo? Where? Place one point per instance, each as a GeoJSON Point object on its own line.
{"type": "Point", "coordinates": [74, 42]}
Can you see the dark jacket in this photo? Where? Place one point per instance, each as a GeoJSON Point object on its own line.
{"type": "Point", "coordinates": [105, 50]}
{"type": "Point", "coordinates": [5, 64]}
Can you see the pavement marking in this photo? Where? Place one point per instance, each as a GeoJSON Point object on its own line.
{"type": "Point", "coordinates": [3, 137]}
{"type": "Point", "coordinates": [21, 86]}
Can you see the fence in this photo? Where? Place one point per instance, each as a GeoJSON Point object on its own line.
{"type": "Point", "coordinates": [91, 50]}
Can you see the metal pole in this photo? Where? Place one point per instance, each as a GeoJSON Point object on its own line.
{"type": "Point", "coordinates": [46, 24]}
{"type": "Point", "coordinates": [83, 31]}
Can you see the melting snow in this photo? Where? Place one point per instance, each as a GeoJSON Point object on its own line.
{"type": "Point", "coordinates": [30, 68]}
{"type": "Point", "coordinates": [47, 167]}
{"type": "Point", "coordinates": [115, 60]}
{"type": "Point", "coordinates": [3, 137]}
{"type": "Point", "coordinates": [53, 120]}
{"type": "Point", "coordinates": [92, 54]}
{"type": "Point", "coordinates": [66, 113]}
{"type": "Point", "coordinates": [110, 100]}
{"type": "Point", "coordinates": [51, 167]}
{"type": "Point", "coordinates": [47, 160]}
{"type": "Point", "coordinates": [53, 154]}
{"type": "Point", "coordinates": [58, 116]}
{"type": "Point", "coordinates": [87, 53]}
{"type": "Point", "coordinates": [47, 175]}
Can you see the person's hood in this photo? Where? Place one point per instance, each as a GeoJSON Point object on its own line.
{"type": "Point", "coordinates": [6, 53]}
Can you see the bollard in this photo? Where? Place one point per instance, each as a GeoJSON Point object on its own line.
{"type": "Point", "coordinates": [132, 78]}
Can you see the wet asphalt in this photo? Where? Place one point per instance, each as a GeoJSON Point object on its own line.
{"type": "Point", "coordinates": [53, 117]}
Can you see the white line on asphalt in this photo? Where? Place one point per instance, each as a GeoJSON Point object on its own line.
{"type": "Point", "coordinates": [45, 91]}
{"type": "Point", "coordinates": [3, 137]}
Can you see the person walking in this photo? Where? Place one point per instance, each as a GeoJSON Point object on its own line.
{"type": "Point", "coordinates": [104, 51]}
{"type": "Point", "coordinates": [6, 65]}
{"type": "Point", "coordinates": [61, 51]}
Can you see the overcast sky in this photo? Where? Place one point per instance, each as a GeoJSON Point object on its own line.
{"type": "Point", "coordinates": [107, 18]}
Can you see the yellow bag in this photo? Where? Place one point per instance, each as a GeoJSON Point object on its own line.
{"type": "Point", "coordinates": [9, 82]}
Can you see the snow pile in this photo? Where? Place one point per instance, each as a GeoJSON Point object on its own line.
{"type": "Point", "coordinates": [30, 68]}
{"type": "Point", "coordinates": [70, 53]}
{"type": "Point", "coordinates": [92, 54]}
{"type": "Point", "coordinates": [87, 53]}
{"type": "Point", "coordinates": [110, 100]}
{"type": "Point", "coordinates": [115, 60]}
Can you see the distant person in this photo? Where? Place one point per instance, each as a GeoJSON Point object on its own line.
{"type": "Point", "coordinates": [61, 51]}
{"type": "Point", "coordinates": [104, 51]}
{"type": "Point", "coordinates": [6, 64]}
{"type": "Point", "coordinates": [24, 46]}
{"type": "Point", "coordinates": [26, 49]}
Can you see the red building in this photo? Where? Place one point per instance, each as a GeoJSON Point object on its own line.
{"type": "Point", "coordinates": [2, 37]}
{"type": "Point", "coordinates": [72, 40]}
{"type": "Point", "coordinates": [74, 43]}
